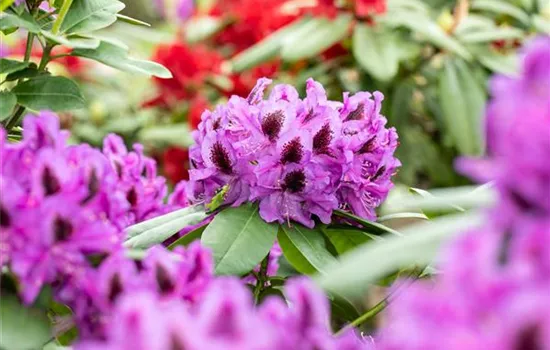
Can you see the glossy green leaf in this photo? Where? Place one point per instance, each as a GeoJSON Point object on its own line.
{"type": "Point", "coordinates": [462, 101]}
{"type": "Point", "coordinates": [370, 226]}
{"type": "Point", "coordinates": [304, 248]}
{"type": "Point", "coordinates": [29, 72]}
{"type": "Point", "coordinates": [239, 239]}
{"type": "Point", "coordinates": [25, 20]}
{"type": "Point", "coordinates": [268, 47]}
{"type": "Point", "coordinates": [75, 41]}
{"type": "Point", "coordinates": [117, 57]}
{"type": "Point", "coordinates": [189, 238]}
{"type": "Point", "coordinates": [507, 64]}
{"type": "Point", "coordinates": [317, 40]}
{"type": "Point", "coordinates": [132, 21]}
{"type": "Point", "coordinates": [10, 66]}
{"type": "Point", "coordinates": [356, 270]}
{"type": "Point", "coordinates": [22, 328]}
{"type": "Point", "coordinates": [89, 15]}
{"type": "Point", "coordinates": [47, 92]}
{"type": "Point", "coordinates": [376, 51]}
{"type": "Point", "coordinates": [342, 309]}
{"type": "Point", "coordinates": [501, 7]}
{"type": "Point", "coordinates": [345, 239]}
{"type": "Point", "coordinates": [7, 102]}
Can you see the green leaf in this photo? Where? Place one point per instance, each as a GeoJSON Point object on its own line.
{"type": "Point", "coordinates": [189, 238]}
{"type": "Point", "coordinates": [10, 66]}
{"type": "Point", "coordinates": [25, 20]}
{"type": "Point", "coordinates": [117, 57]}
{"type": "Point", "coordinates": [317, 40]}
{"type": "Point", "coordinates": [175, 134]}
{"type": "Point", "coordinates": [491, 34]}
{"type": "Point", "coordinates": [371, 226]}
{"type": "Point", "coordinates": [541, 24]}
{"type": "Point", "coordinates": [22, 327]}
{"type": "Point", "coordinates": [4, 4]}
{"type": "Point", "coordinates": [356, 270]}
{"type": "Point", "coordinates": [75, 41]}
{"type": "Point", "coordinates": [7, 102]}
{"type": "Point", "coordinates": [157, 230]}
{"type": "Point", "coordinates": [376, 51]}
{"type": "Point", "coordinates": [462, 101]}
{"type": "Point", "coordinates": [507, 64]}
{"type": "Point", "coordinates": [201, 28]}
{"type": "Point", "coordinates": [342, 308]}
{"type": "Point", "coordinates": [304, 248]}
{"type": "Point", "coordinates": [132, 21]}
{"type": "Point", "coordinates": [268, 47]}
{"type": "Point", "coordinates": [47, 92]}
{"type": "Point", "coordinates": [239, 239]}
{"type": "Point", "coordinates": [29, 72]}
{"type": "Point", "coordinates": [501, 7]}
{"type": "Point", "coordinates": [345, 239]}
{"type": "Point", "coordinates": [89, 15]}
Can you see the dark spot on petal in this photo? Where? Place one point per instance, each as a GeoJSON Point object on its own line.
{"type": "Point", "coordinates": [115, 288]}
{"type": "Point", "coordinates": [5, 220]}
{"type": "Point", "coordinates": [165, 283]}
{"type": "Point", "coordinates": [368, 146]}
{"type": "Point", "coordinates": [529, 339]}
{"type": "Point", "coordinates": [175, 343]}
{"type": "Point", "coordinates": [357, 114]}
{"type": "Point", "coordinates": [322, 139]}
{"type": "Point", "coordinates": [93, 187]}
{"type": "Point", "coordinates": [294, 181]}
{"type": "Point", "coordinates": [49, 182]}
{"type": "Point", "coordinates": [379, 173]}
{"type": "Point", "coordinates": [525, 204]}
{"type": "Point", "coordinates": [62, 229]}
{"type": "Point", "coordinates": [220, 157]}
{"type": "Point", "coordinates": [118, 169]}
{"type": "Point", "coordinates": [216, 124]}
{"type": "Point", "coordinates": [503, 255]}
{"type": "Point", "coordinates": [272, 124]}
{"type": "Point", "coordinates": [131, 197]}
{"type": "Point", "coordinates": [309, 116]}
{"type": "Point", "coordinates": [293, 151]}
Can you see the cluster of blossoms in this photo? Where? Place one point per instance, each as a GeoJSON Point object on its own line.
{"type": "Point", "coordinates": [63, 204]}
{"type": "Point", "coordinates": [144, 320]}
{"type": "Point", "coordinates": [494, 292]}
{"type": "Point", "coordinates": [296, 157]}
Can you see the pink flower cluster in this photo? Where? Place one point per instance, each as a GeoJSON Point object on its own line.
{"type": "Point", "coordinates": [299, 158]}
{"type": "Point", "coordinates": [494, 290]}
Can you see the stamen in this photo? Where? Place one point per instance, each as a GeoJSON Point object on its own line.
{"type": "Point", "coordinates": [321, 140]}
{"type": "Point", "coordinates": [293, 151]}
{"type": "Point", "coordinates": [220, 158]}
{"type": "Point", "coordinates": [272, 124]}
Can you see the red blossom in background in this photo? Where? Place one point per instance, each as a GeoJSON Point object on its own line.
{"type": "Point", "coordinates": [175, 161]}
{"type": "Point", "coordinates": [190, 67]}
{"type": "Point", "coordinates": [366, 8]}
{"type": "Point", "coordinates": [243, 82]}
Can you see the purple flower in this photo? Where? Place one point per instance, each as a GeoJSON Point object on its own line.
{"type": "Point", "coordinates": [300, 159]}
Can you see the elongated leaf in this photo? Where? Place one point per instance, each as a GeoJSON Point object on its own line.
{"type": "Point", "coordinates": [142, 227]}
{"type": "Point", "coordinates": [352, 275]}
{"type": "Point", "coordinates": [47, 92]}
{"type": "Point", "coordinates": [318, 40]}
{"type": "Point", "coordinates": [162, 232]}
{"type": "Point", "coordinates": [25, 20]}
{"type": "Point", "coordinates": [370, 226]}
{"type": "Point", "coordinates": [304, 248]}
{"type": "Point", "coordinates": [89, 15]}
{"type": "Point", "coordinates": [398, 216]}
{"type": "Point", "coordinates": [267, 48]}
{"type": "Point", "coordinates": [7, 102]}
{"type": "Point", "coordinates": [132, 21]}
{"type": "Point", "coordinates": [376, 51]}
{"type": "Point", "coordinates": [501, 7]}
{"type": "Point", "coordinates": [10, 66]}
{"type": "Point", "coordinates": [29, 72]}
{"type": "Point", "coordinates": [347, 239]}
{"type": "Point", "coordinates": [507, 64]}
{"type": "Point", "coordinates": [189, 238]}
{"type": "Point", "coordinates": [239, 239]}
{"type": "Point", "coordinates": [462, 100]}
{"type": "Point", "coordinates": [117, 57]}
{"type": "Point", "coordinates": [22, 328]}
{"type": "Point", "coordinates": [491, 34]}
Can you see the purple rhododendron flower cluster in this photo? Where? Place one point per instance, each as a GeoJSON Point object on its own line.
{"type": "Point", "coordinates": [63, 204]}
{"type": "Point", "coordinates": [494, 292]}
{"type": "Point", "coordinates": [224, 319]}
{"type": "Point", "coordinates": [298, 158]}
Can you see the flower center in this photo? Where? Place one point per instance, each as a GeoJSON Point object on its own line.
{"type": "Point", "coordinates": [272, 124]}
{"type": "Point", "coordinates": [294, 181]}
{"type": "Point", "coordinates": [293, 151]}
{"type": "Point", "coordinates": [220, 158]}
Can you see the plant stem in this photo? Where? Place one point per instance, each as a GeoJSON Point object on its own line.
{"type": "Point", "coordinates": [12, 122]}
{"type": "Point", "coordinates": [261, 279]}
{"type": "Point", "coordinates": [61, 17]}
{"type": "Point", "coordinates": [45, 57]}
{"type": "Point", "coordinates": [28, 49]}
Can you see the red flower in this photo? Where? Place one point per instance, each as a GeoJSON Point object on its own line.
{"type": "Point", "coordinates": [366, 8]}
{"type": "Point", "coordinates": [196, 108]}
{"type": "Point", "coordinates": [176, 164]}
{"type": "Point", "coordinates": [190, 66]}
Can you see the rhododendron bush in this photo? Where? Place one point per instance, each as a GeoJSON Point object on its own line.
{"type": "Point", "coordinates": [256, 174]}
